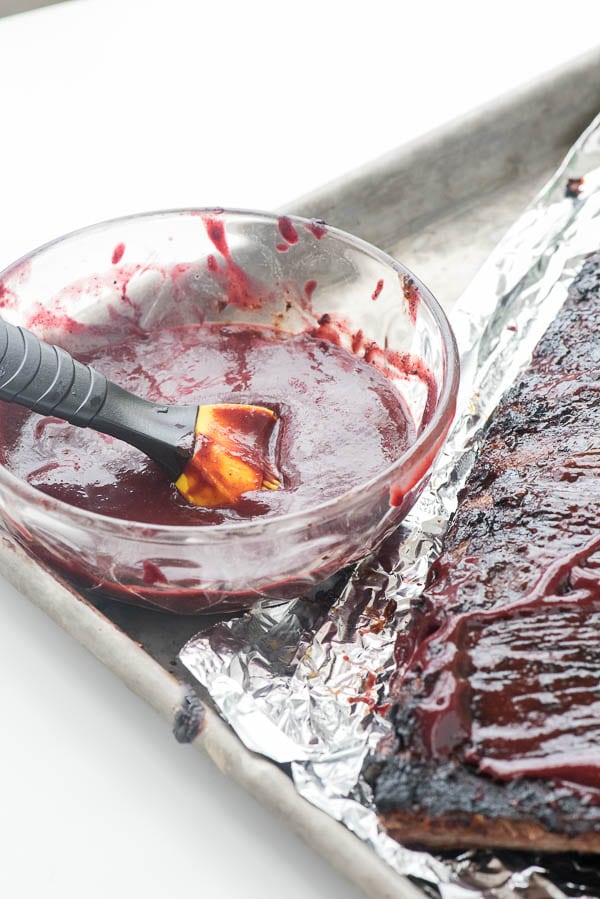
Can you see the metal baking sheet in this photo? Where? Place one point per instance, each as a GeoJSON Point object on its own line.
{"type": "Point", "coordinates": [440, 204]}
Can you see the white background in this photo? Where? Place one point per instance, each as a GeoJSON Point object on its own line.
{"type": "Point", "coordinates": [117, 106]}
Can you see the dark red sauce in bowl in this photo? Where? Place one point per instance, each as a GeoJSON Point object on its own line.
{"type": "Point", "coordinates": [340, 423]}
{"type": "Point", "coordinates": [203, 306]}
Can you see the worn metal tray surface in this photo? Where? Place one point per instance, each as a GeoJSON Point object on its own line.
{"type": "Point", "coordinates": [440, 204]}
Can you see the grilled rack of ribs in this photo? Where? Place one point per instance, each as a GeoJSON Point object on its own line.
{"type": "Point", "coordinates": [497, 687]}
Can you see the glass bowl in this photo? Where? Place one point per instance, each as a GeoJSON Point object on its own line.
{"type": "Point", "coordinates": [141, 273]}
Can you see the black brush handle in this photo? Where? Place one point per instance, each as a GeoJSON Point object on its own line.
{"type": "Point", "coordinates": [46, 379]}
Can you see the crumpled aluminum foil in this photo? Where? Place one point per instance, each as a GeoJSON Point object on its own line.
{"type": "Point", "coordinates": [305, 683]}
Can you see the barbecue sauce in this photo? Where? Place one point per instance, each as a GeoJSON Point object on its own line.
{"type": "Point", "coordinates": [340, 423]}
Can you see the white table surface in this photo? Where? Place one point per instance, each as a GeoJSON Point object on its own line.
{"type": "Point", "coordinates": [116, 106]}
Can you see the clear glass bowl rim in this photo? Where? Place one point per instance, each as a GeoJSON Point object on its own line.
{"type": "Point", "coordinates": [189, 534]}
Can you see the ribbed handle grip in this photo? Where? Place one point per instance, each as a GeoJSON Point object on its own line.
{"type": "Point", "coordinates": [46, 378]}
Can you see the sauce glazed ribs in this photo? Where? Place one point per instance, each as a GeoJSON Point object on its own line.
{"type": "Point", "coordinates": [497, 688]}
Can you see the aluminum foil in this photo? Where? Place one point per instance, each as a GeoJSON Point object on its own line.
{"type": "Point", "coordinates": [305, 683]}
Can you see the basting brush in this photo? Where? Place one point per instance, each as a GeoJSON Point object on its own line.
{"type": "Point", "coordinates": [214, 454]}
